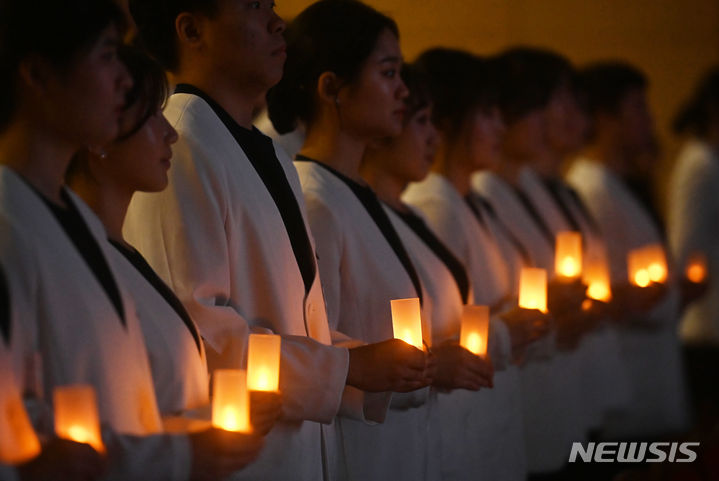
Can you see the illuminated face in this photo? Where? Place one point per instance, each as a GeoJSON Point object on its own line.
{"type": "Point", "coordinates": [410, 155]}
{"type": "Point", "coordinates": [140, 162]}
{"type": "Point", "coordinates": [372, 107]}
{"type": "Point", "coordinates": [485, 131]}
{"type": "Point", "coordinates": [567, 125]}
{"type": "Point", "coordinates": [84, 103]}
{"type": "Point", "coordinates": [244, 42]}
{"type": "Point", "coordinates": [526, 138]}
{"type": "Point", "coordinates": [635, 124]}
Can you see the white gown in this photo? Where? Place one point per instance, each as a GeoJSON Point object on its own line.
{"type": "Point", "coordinates": [81, 336]}
{"type": "Point", "coordinates": [553, 416]}
{"type": "Point", "coordinates": [693, 227]}
{"type": "Point", "coordinates": [488, 423]}
{"type": "Point", "coordinates": [447, 448]}
{"type": "Point", "coordinates": [652, 357]}
{"type": "Point", "coordinates": [217, 238]}
{"type": "Point", "coordinates": [361, 274]}
{"type": "Point", "coordinates": [179, 368]}
{"type": "Point", "coordinates": [605, 385]}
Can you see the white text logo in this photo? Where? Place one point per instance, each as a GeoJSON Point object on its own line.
{"type": "Point", "coordinates": [624, 452]}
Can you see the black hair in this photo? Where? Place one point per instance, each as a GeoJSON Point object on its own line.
{"type": "Point", "coordinates": [328, 36]}
{"type": "Point", "coordinates": [527, 78]}
{"type": "Point", "coordinates": [417, 83]}
{"type": "Point", "coordinates": [702, 108]}
{"type": "Point", "coordinates": [148, 94]}
{"type": "Point", "coordinates": [459, 83]}
{"type": "Point", "coordinates": [604, 85]}
{"type": "Point", "coordinates": [57, 31]}
{"type": "Point", "coordinates": [155, 20]}
{"type": "Point", "coordinates": [149, 90]}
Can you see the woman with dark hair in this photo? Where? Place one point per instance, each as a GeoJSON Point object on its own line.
{"type": "Point", "coordinates": [342, 81]}
{"type": "Point", "coordinates": [470, 129]}
{"type": "Point", "coordinates": [603, 376]}
{"type": "Point", "coordinates": [138, 161]}
{"type": "Point", "coordinates": [389, 165]}
{"type": "Point", "coordinates": [550, 381]}
{"type": "Point", "coordinates": [692, 231]}
{"type": "Point", "coordinates": [63, 90]}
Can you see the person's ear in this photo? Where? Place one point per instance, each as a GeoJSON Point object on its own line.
{"type": "Point", "coordinates": [35, 73]}
{"type": "Point", "coordinates": [189, 29]}
{"type": "Point", "coordinates": [328, 88]}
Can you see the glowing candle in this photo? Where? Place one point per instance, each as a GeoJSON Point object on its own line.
{"type": "Point", "coordinates": [231, 400]}
{"type": "Point", "coordinates": [18, 441]}
{"type": "Point", "coordinates": [533, 288]}
{"type": "Point", "coordinates": [646, 265]}
{"type": "Point", "coordinates": [696, 270]}
{"type": "Point", "coordinates": [596, 277]}
{"type": "Point", "coordinates": [568, 255]}
{"type": "Point", "coordinates": [263, 362]}
{"type": "Point", "coordinates": [76, 415]}
{"type": "Point", "coordinates": [474, 332]}
{"type": "Point", "coordinates": [656, 262]}
{"type": "Point", "coordinates": [407, 321]}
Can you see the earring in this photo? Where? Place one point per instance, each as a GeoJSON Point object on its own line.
{"type": "Point", "coordinates": [98, 151]}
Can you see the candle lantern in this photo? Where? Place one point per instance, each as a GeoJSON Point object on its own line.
{"type": "Point", "coordinates": [596, 277]}
{"type": "Point", "coordinates": [263, 362]}
{"type": "Point", "coordinates": [18, 441]}
{"type": "Point", "coordinates": [533, 288]}
{"type": "Point", "coordinates": [76, 415]}
{"type": "Point", "coordinates": [656, 260]}
{"type": "Point", "coordinates": [568, 255]}
{"type": "Point", "coordinates": [696, 269]}
{"type": "Point", "coordinates": [407, 321]}
{"type": "Point", "coordinates": [637, 268]}
{"type": "Point", "coordinates": [231, 400]}
{"type": "Point", "coordinates": [474, 332]}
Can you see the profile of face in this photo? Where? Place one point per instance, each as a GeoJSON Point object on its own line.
{"type": "Point", "coordinates": [83, 102]}
{"type": "Point", "coordinates": [484, 134]}
{"type": "Point", "coordinates": [567, 125]}
{"type": "Point", "coordinates": [244, 39]}
{"type": "Point", "coordinates": [635, 126]}
{"type": "Point", "coordinates": [372, 106]}
{"type": "Point", "coordinates": [410, 155]}
{"type": "Point", "coordinates": [526, 137]}
{"type": "Point", "coordinates": [140, 162]}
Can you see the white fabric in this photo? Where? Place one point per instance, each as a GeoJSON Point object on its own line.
{"type": "Point", "coordinates": [445, 446]}
{"type": "Point", "coordinates": [485, 426]}
{"type": "Point", "coordinates": [652, 356]}
{"type": "Point", "coordinates": [693, 228]}
{"type": "Point", "coordinates": [179, 368]}
{"type": "Point", "coordinates": [217, 238]}
{"type": "Point", "coordinates": [550, 381]}
{"type": "Point", "coordinates": [361, 274]}
{"type": "Point", "coordinates": [512, 212]}
{"type": "Point", "coordinates": [82, 339]}
{"type": "Point", "coordinates": [604, 383]}
{"type": "Point", "coordinates": [437, 281]}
